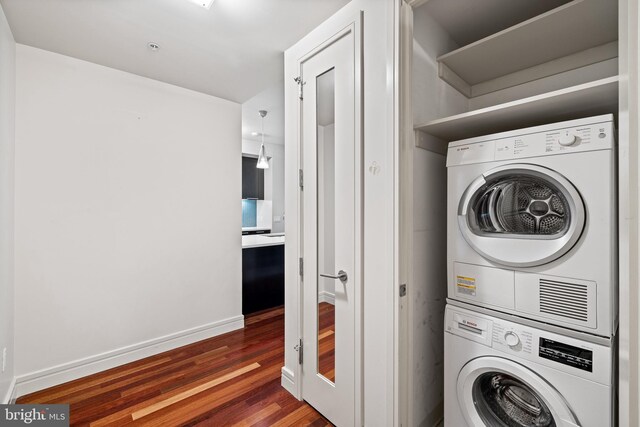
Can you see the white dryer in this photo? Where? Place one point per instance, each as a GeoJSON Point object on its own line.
{"type": "Point", "coordinates": [532, 223]}
{"type": "Point", "coordinates": [499, 373]}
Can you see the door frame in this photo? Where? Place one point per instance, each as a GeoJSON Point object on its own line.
{"type": "Point", "coordinates": [628, 213]}
{"type": "Point", "coordinates": [333, 31]}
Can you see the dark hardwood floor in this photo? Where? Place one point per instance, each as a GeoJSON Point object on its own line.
{"type": "Point", "coordinates": [232, 379]}
{"type": "Point", "coordinates": [326, 341]}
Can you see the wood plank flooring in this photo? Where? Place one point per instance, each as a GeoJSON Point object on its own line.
{"type": "Point", "coordinates": [229, 380]}
{"type": "Point", "coordinates": [326, 341]}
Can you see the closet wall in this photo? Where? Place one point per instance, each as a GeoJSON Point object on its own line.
{"type": "Point", "coordinates": [431, 98]}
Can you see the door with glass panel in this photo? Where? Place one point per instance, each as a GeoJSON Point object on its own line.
{"type": "Point", "coordinates": [328, 162]}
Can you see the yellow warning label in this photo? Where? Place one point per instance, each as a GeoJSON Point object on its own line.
{"type": "Point", "coordinates": [466, 285]}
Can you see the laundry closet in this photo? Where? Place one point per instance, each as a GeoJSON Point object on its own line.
{"type": "Point", "coordinates": [474, 68]}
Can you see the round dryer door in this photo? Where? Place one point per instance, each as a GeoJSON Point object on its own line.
{"type": "Point", "coordinates": [521, 215]}
{"type": "Point", "coordinates": [498, 392]}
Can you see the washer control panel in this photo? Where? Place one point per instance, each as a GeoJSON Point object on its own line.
{"type": "Point", "coordinates": [529, 345]}
{"type": "Point", "coordinates": [566, 354]}
{"type": "Point", "coordinates": [507, 337]}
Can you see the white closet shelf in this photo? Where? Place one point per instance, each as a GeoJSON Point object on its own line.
{"type": "Point", "coordinates": [571, 36]}
{"type": "Point", "coordinates": [593, 98]}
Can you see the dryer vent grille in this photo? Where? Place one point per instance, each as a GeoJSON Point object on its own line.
{"type": "Point", "coordinates": [564, 299]}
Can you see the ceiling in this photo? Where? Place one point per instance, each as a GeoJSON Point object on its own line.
{"type": "Point", "coordinates": [488, 16]}
{"type": "Point", "coordinates": [233, 50]}
{"type": "Point", "coordinates": [271, 100]}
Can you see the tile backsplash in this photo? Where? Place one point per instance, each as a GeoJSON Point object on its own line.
{"type": "Point", "coordinates": [257, 213]}
{"type": "Point", "coordinates": [249, 213]}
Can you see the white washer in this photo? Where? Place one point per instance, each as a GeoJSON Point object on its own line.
{"type": "Point", "coordinates": [499, 373]}
{"type": "Point", "coordinates": [532, 223]}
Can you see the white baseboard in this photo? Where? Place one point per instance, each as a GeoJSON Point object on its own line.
{"type": "Point", "coordinates": [49, 377]}
{"type": "Point", "coordinates": [10, 395]}
{"type": "Point", "coordinates": [328, 297]}
{"type": "Point", "coordinates": [288, 382]}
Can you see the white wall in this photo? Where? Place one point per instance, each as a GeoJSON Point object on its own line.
{"type": "Point", "coordinates": [433, 98]}
{"type": "Point", "coordinates": [273, 179]}
{"type": "Point", "coordinates": [427, 290]}
{"type": "Point", "coordinates": [7, 138]}
{"type": "Point", "coordinates": [127, 215]}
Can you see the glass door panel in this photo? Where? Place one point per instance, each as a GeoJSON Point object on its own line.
{"type": "Point", "coordinates": [325, 118]}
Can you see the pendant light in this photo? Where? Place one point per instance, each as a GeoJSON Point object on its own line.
{"type": "Point", "coordinates": [263, 162]}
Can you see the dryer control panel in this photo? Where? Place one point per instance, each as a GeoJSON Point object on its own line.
{"type": "Point", "coordinates": [597, 136]}
{"type": "Point", "coordinates": [597, 133]}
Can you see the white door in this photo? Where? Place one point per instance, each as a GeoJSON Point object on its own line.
{"type": "Point", "coordinates": [328, 143]}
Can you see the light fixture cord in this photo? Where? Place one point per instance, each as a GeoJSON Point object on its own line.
{"type": "Point", "coordinates": [262, 130]}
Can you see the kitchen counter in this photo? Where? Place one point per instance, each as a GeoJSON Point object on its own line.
{"type": "Point", "coordinates": [259, 240]}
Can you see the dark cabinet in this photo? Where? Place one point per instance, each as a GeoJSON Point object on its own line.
{"type": "Point", "coordinates": [262, 278]}
{"type": "Point", "coordinates": [252, 179]}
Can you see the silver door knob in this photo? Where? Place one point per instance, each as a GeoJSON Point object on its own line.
{"type": "Point", "coordinates": [342, 275]}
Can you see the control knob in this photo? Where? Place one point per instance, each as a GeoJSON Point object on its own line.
{"type": "Point", "coordinates": [511, 338]}
{"type": "Point", "coordinates": [568, 139]}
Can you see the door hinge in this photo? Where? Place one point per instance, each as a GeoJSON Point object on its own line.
{"type": "Point", "coordinates": [301, 266]}
{"type": "Point", "coordinates": [403, 290]}
{"type": "Point", "coordinates": [300, 179]}
{"type": "Point", "coordinates": [300, 87]}
{"type": "Point", "coordinates": [299, 349]}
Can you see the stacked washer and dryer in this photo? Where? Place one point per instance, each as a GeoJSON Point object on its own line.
{"type": "Point", "coordinates": [531, 319]}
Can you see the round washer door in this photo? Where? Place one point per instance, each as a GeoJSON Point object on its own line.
{"type": "Point", "coordinates": [521, 215]}
{"type": "Point", "coordinates": [498, 392]}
